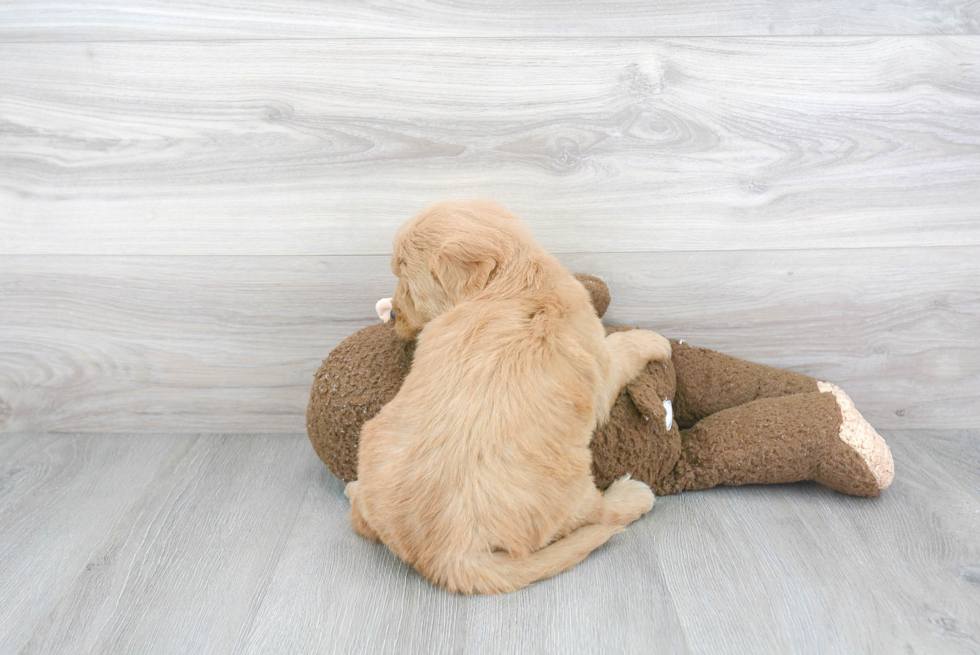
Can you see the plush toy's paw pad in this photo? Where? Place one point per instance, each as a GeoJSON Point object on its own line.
{"type": "Point", "coordinates": [857, 433]}
{"type": "Point", "coordinates": [383, 308]}
{"type": "Point", "coordinates": [627, 500]}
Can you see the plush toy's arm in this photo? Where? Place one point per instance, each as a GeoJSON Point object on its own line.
{"type": "Point", "coordinates": [652, 403]}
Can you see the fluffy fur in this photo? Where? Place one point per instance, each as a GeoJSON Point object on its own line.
{"type": "Point", "coordinates": [478, 473]}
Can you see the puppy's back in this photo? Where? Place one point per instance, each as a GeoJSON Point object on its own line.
{"type": "Point", "coordinates": [488, 437]}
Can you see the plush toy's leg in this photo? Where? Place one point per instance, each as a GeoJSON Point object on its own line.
{"type": "Point", "coordinates": [808, 436]}
{"type": "Point", "coordinates": [708, 382]}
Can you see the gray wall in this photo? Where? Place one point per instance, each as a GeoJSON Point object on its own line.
{"type": "Point", "coordinates": [196, 201]}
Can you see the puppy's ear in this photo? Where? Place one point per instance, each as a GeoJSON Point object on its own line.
{"type": "Point", "coordinates": [463, 268]}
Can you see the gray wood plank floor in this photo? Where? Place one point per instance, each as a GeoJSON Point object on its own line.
{"type": "Point", "coordinates": [240, 543]}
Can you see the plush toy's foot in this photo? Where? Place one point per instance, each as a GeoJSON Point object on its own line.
{"type": "Point", "coordinates": [859, 436]}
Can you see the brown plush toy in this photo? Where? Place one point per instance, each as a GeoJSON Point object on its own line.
{"type": "Point", "coordinates": [700, 420]}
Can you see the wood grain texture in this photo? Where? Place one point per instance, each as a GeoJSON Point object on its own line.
{"type": "Point", "coordinates": [335, 592]}
{"type": "Point", "coordinates": [212, 343]}
{"type": "Point", "coordinates": [325, 147]}
{"type": "Point", "coordinates": [59, 496]}
{"type": "Point", "coordinates": [241, 543]}
{"type": "Point", "coordinates": [220, 19]}
{"type": "Point", "coordinates": [823, 572]}
{"type": "Point", "coordinates": [186, 569]}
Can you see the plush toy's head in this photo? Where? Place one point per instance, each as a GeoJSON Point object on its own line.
{"type": "Point", "coordinates": [367, 369]}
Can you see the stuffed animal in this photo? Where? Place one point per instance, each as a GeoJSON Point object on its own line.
{"type": "Point", "coordinates": [700, 420]}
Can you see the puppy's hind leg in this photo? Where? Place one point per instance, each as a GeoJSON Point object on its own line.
{"type": "Point", "coordinates": [491, 573]}
{"type": "Point", "coordinates": [357, 520]}
{"type": "Point", "coordinates": [625, 501]}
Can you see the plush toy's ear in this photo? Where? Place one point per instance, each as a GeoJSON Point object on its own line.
{"type": "Point", "coordinates": [598, 292]}
{"type": "Point", "coordinates": [464, 267]}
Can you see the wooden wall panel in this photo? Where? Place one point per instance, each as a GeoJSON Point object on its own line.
{"type": "Point", "coordinates": [231, 343]}
{"type": "Point", "coordinates": [604, 145]}
{"type": "Point", "coordinates": [22, 20]}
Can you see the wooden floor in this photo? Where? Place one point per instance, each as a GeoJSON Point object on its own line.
{"type": "Point", "coordinates": [240, 543]}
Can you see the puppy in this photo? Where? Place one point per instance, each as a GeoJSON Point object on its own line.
{"type": "Point", "coordinates": [478, 473]}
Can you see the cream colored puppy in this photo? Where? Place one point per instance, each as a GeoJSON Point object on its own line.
{"type": "Point", "coordinates": [478, 473]}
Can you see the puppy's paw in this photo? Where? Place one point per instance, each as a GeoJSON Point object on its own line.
{"type": "Point", "coordinates": [626, 500]}
{"type": "Point", "coordinates": [656, 348]}
{"type": "Point", "coordinates": [639, 346]}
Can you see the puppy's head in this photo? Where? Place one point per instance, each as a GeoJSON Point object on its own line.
{"type": "Point", "coordinates": [446, 255]}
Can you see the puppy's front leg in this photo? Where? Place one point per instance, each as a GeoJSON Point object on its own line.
{"type": "Point", "coordinates": [630, 351]}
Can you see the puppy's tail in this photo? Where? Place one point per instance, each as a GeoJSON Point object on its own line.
{"type": "Point", "coordinates": [499, 572]}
